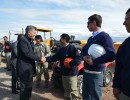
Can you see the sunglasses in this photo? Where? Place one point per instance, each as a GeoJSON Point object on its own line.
{"type": "Point", "coordinates": [89, 22]}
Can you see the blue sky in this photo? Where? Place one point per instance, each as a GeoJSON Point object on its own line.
{"type": "Point", "coordinates": [63, 16]}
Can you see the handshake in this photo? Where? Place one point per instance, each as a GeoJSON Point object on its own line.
{"type": "Point", "coordinates": [43, 59]}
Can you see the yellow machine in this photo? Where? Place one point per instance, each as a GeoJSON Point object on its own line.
{"type": "Point", "coordinates": [117, 45]}
{"type": "Point", "coordinates": [83, 42]}
{"type": "Point", "coordinates": [46, 30]}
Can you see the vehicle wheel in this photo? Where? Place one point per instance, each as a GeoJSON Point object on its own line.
{"type": "Point", "coordinates": [107, 78]}
{"type": "Point", "coordinates": [80, 84]}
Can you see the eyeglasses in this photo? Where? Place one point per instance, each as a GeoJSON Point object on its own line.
{"type": "Point", "coordinates": [89, 22]}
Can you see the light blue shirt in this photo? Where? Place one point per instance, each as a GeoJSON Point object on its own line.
{"type": "Point", "coordinates": [96, 33]}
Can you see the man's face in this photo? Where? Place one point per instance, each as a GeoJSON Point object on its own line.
{"type": "Point", "coordinates": [32, 34]}
{"type": "Point", "coordinates": [90, 25]}
{"type": "Point", "coordinates": [127, 22]}
{"type": "Point", "coordinates": [5, 39]}
{"type": "Point", "coordinates": [38, 41]}
{"type": "Point", "coordinates": [62, 41]}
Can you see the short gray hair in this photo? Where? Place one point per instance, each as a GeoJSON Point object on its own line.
{"type": "Point", "coordinates": [29, 28]}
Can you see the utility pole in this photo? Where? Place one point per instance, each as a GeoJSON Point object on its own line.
{"type": "Point", "coordinates": [9, 35]}
{"type": "Point", "coordinates": [22, 31]}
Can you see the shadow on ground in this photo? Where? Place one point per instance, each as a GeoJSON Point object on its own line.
{"type": "Point", "coordinates": [40, 93]}
{"type": "Point", "coordinates": [7, 95]}
{"type": "Point", "coordinates": [55, 92]}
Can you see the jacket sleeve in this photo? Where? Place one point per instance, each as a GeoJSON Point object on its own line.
{"type": "Point", "coordinates": [14, 49]}
{"type": "Point", "coordinates": [53, 58]}
{"type": "Point", "coordinates": [107, 43]}
{"type": "Point", "coordinates": [77, 60]}
{"type": "Point", "coordinates": [25, 49]}
{"type": "Point", "coordinates": [83, 52]}
{"type": "Point", "coordinates": [13, 59]}
{"type": "Point", "coordinates": [117, 73]}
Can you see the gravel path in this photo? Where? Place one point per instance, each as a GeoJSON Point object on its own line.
{"type": "Point", "coordinates": [5, 84]}
{"type": "Point", "coordinates": [38, 93]}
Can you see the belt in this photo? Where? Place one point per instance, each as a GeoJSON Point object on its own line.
{"type": "Point", "coordinates": [92, 72]}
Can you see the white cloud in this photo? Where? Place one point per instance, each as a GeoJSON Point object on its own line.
{"type": "Point", "coordinates": [83, 3]}
{"type": "Point", "coordinates": [67, 3]}
{"type": "Point", "coordinates": [8, 10]}
{"type": "Point", "coordinates": [71, 20]}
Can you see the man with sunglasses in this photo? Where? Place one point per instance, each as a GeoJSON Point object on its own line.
{"type": "Point", "coordinates": [121, 80]}
{"type": "Point", "coordinates": [93, 68]}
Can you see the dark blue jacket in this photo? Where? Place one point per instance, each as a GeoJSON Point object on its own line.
{"type": "Point", "coordinates": [121, 78]}
{"type": "Point", "coordinates": [104, 40]}
{"type": "Point", "coordinates": [64, 52]}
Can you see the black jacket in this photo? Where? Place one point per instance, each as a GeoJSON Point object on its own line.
{"type": "Point", "coordinates": [121, 78]}
{"type": "Point", "coordinates": [14, 53]}
{"type": "Point", "coordinates": [26, 57]}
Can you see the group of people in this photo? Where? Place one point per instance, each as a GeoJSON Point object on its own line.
{"type": "Point", "coordinates": [23, 80]}
{"type": "Point", "coordinates": [28, 53]}
{"type": "Point", "coordinates": [93, 68]}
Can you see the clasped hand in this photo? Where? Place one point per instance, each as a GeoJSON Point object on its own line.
{"type": "Point", "coordinates": [88, 59]}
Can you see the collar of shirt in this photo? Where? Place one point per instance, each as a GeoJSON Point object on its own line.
{"type": "Point", "coordinates": [38, 43]}
{"type": "Point", "coordinates": [66, 45]}
{"type": "Point", "coordinates": [96, 33]}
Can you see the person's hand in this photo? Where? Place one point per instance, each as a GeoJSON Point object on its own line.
{"type": "Point", "coordinates": [85, 58]}
{"type": "Point", "coordinates": [43, 59]}
{"type": "Point", "coordinates": [88, 59]}
{"type": "Point", "coordinates": [116, 92]}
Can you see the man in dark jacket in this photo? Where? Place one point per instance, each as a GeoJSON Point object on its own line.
{"type": "Point", "coordinates": [69, 74]}
{"type": "Point", "coordinates": [93, 68]}
{"type": "Point", "coordinates": [121, 80]}
{"type": "Point", "coordinates": [26, 62]}
{"type": "Point", "coordinates": [13, 60]}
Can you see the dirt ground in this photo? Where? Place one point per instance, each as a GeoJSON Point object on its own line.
{"type": "Point", "coordinates": [38, 93]}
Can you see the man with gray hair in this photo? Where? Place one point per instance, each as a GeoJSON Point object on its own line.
{"type": "Point", "coordinates": [26, 62]}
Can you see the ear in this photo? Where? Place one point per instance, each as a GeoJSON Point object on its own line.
{"type": "Point", "coordinates": [94, 22]}
{"type": "Point", "coordinates": [29, 33]}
